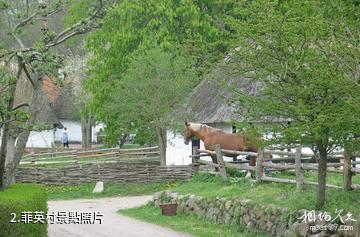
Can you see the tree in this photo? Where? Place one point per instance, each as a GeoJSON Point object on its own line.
{"type": "Point", "coordinates": [304, 56]}
{"type": "Point", "coordinates": [75, 70]}
{"type": "Point", "coordinates": [132, 27]}
{"type": "Point", "coordinates": [33, 59]}
{"type": "Point", "coordinates": [153, 85]}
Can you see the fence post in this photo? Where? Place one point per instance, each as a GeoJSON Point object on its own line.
{"type": "Point", "coordinates": [33, 159]}
{"type": "Point", "coordinates": [195, 164]}
{"type": "Point", "coordinates": [74, 155]}
{"type": "Point", "coordinates": [298, 170]}
{"type": "Point", "coordinates": [259, 165]}
{"type": "Point", "coordinates": [347, 170]}
{"type": "Point", "coordinates": [221, 162]}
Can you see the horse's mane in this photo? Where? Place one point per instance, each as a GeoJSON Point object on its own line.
{"type": "Point", "coordinates": [200, 126]}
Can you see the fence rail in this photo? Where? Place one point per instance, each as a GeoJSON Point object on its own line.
{"type": "Point", "coordinates": [93, 156]}
{"type": "Point", "coordinates": [298, 164]}
{"type": "Point", "coordinates": [108, 173]}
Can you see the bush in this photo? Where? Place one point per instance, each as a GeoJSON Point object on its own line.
{"type": "Point", "coordinates": [19, 198]}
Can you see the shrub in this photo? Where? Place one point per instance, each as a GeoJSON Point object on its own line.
{"type": "Point", "coordinates": [19, 198]}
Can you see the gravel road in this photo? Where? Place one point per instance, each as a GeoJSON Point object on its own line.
{"type": "Point", "coordinates": [113, 224]}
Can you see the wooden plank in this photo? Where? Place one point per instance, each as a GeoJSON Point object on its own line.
{"type": "Point", "coordinates": [244, 153]}
{"type": "Point", "coordinates": [204, 162]}
{"type": "Point", "coordinates": [221, 162]}
{"type": "Point", "coordinates": [207, 151]}
{"type": "Point", "coordinates": [298, 171]}
{"type": "Point", "coordinates": [259, 165]}
{"type": "Point", "coordinates": [290, 181]}
{"type": "Point", "coordinates": [239, 166]}
{"type": "Point", "coordinates": [279, 166]}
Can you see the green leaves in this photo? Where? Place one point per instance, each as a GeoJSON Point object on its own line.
{"type": "Point", "coordinates": [4, 4]}
{"type": "Point", "coordinates": [152, 87]}
{"type": "Point", "coordinates": [136, 29]}
{"type": "Point", "coordinates": [300, 54]}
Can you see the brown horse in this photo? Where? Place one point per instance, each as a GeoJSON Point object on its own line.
{"type": "Point", "coordinates": [212, 136]}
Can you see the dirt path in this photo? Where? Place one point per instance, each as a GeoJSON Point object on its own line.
{"type": "Point", "coordinates": [113, 224]}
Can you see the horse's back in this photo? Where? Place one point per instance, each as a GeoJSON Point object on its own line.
{"type": "Point", "coordinates": [226, 140]}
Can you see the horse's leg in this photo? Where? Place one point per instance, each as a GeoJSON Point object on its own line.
{"type": "Point", "coordinates": [251, 163]}
{"type": "Point", "coordinates": [214, 160]}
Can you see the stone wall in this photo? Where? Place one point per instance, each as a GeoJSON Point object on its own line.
{"type": "Point", "coordinates": [274, 220]}
{"type": "Point", "coordinates": [106, 172]}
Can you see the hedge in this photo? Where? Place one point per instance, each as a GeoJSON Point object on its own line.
{"type": "Point", "coordinates": [20, 198]}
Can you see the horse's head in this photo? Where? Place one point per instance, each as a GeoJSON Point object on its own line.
{"type": "Point", "coordinates": [188, 133]}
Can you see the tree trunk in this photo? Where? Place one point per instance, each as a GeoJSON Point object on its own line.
{"type": "Point", "coordinates": [347, 170]}
{"type": "Point", "coordinates": [3, 152]}
{"type": "Point", "coordinates": [321, 178]}
{"type": "Point", "coordinates": [36, 105]}
{"type": "Point", "coordinates": [86, 131]}
{"type": "Point", "coordinates": [161, 133]}
{"type": "Point", "coordinates": [11, 166]}
{"type": "Point", "coordinates": [83, 133]}
{"type": "Point", "coordinates": [6, 129]}
{"type": "Point", "coordinates": [89, 131]}
{"type": "Point", "coordinates": [123, 140]}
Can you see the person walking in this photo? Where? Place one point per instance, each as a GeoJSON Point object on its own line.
{"type": "Point", "coordinates": [65, 138]}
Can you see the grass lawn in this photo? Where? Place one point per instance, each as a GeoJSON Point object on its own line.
{"type": "Point", "coordinates": [62, 192]}
{"type": "Point", "coordinates": [187, 223]}
{"type": "Point", "coordinates": [284, 195]}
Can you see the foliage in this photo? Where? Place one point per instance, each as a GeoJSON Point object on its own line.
{"type": "Point", "coordinates": [304, 58]}
{"type": "Point", "coordinates": [151, 88]}
{"type": "Point", "coordinates": [19, 198]}
{"type": "Point", "coordinates": [8, 82]}
{"type": "Point", "coordinates": [165, 199]}
{"type": "Point", "coordinates": [187, 223]}
{"type": "Point", "coordinates": [27, 47]}
{"type": "Point", "coordinates": [194, 28]}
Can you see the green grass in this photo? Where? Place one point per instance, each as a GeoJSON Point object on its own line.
{"type": "Point", "coordinates": [332, 178]}
{"type": "Point", "coordinates": [20, 198]}
{"type": "Point", "coordinates": [65, 192]}
{"type": "Point", "coordinates": [187, 223]}
{"type": "Point", "coordinates": [284, 195]}
{"type": "Point", "coordinates": [132, 146]}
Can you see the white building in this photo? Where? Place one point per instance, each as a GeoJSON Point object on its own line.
{"type": "Point", "coordinates": [207, 104]}
{"type": "Point", "coordinates": [66, 112]}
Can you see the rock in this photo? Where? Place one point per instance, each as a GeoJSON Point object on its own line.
{"type": "Point", "coordinates": [290, 233]}
{"type": "Point", "coordinates": [347, 233]}
{"type": "Point", "coordinates": [245, 202]}
{"type": "Point", "coordinates": [211, 213]}
{"type": "Point", "coordinates": [156, 196]}
{"type": "Point", "coordinates": [250, 225]}
{"type": "Point", "coordinates": [246, 219]}
{"type": "Point", "coordinates": [99, 187]}
{"type": "Point", "coordinates": [300, 228]}
{"type": "Point", "coordinates": [227, 218]}
{"type": "Point", "coordinates": [269, 225]}
{"type": "Point", "coordinates": [228, 205]}
{"type": "Point", "coordinates": [320, 234]}
{"type": "Point", "coordinates": [280, 229]}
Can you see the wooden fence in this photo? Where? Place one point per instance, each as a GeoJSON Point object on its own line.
{"type": "Point", "coordinates": [109, 155]}
{"type": "Point", "coordinates": [300, 161]}
{"type": "Point", "coordinates": [108, 173]}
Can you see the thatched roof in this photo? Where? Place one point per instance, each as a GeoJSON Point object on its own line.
{"type": "Point", "coordinates": [44, 111]}
{"type": "Point", "coordinates": [64, 105]}
{"type": "Point", "coordinates": [210, 101]}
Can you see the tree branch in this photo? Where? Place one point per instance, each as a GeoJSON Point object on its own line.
{"type": "Point", "coordinates": [28, 75]}
{"type": "Point", "coordinates": [25, 21]}
{"type": "Point", "coordinates": [20, 106]}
